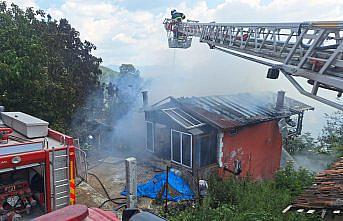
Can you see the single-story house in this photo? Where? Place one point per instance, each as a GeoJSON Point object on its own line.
{"type": "Point", "coordinates": [237, 134]}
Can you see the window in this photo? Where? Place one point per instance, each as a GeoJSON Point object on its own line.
{"type": "Point", "coordinates": [182, 118]}
{"type": "Point", "coordinates": [150, 134]}
{"type": "Point", "coordinates": [181, 148]}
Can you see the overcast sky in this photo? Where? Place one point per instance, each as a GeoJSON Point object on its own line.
{"type": "Point", "coordinates": [131, 31]}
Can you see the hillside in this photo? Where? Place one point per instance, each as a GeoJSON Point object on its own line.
{"type": "Point", "coordinates": [107, 74]}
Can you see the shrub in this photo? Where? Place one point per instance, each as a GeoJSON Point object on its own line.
{"type": "Point", "coordinates": [246, 199]}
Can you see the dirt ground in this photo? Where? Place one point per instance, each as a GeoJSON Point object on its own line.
{"type": "Point", "coordinates": [111, 172]}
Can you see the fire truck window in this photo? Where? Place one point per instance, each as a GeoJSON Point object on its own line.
{"type": "Point", "coordinates": [186, 150]}
{"type": "Point", "coordinates": [150, 137]}
{"type": "Point", "coordinates": [176, 146]}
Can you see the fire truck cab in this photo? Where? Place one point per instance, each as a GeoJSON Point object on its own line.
{"type": "Point", "coordinates": [37, 167]}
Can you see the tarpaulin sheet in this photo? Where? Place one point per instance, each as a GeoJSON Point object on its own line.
{"type": "Point", "coordinates": [153, 188]}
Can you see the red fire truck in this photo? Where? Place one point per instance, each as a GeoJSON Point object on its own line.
{"type": "Point", "coordinates": [37, 167]}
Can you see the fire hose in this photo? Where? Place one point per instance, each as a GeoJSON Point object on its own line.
{"type": "Point", "coordinates": [109, 199]}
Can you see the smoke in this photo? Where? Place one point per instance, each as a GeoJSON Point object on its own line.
{"type": "Point", "coordinates": [313, 161]}
{"type": "Point", "coordinates": [112, 120]}
{"type": "Point", "coordinates": [199, 71]}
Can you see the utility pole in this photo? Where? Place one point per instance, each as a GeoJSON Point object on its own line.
{"type": "Point", "coordinates": [131, 182]}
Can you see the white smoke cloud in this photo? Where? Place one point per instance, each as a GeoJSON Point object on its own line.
{"type": "Point", "coordinates": [137, 36]}
{"type": "Point", "coordinates": [23, 3]}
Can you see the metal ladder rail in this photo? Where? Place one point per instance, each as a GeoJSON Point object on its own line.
{"type": "Point", "coordinates": [67, 180]}
{"type": "Point", "coordinates": [275, 56]}
{"type": "Point", "coordinates": [283, 42]}
{"type": "Point", "coordinates": [81, 161]}
{"type": "Point", "coordinates": [274, 32]}
{"type": "Point", "coordinates": [62, 182]}
{"type": "Point", "coordinates": [53, 195]}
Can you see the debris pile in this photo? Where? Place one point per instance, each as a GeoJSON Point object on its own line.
{"type": "Point", "coordinates": [325, 195]}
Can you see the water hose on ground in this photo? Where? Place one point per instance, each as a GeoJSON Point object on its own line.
{"type": "Point", "coordinates": [109, 199]}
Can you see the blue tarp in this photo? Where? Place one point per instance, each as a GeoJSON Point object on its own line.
{"type": "Point", "coordinates": [153, 188]}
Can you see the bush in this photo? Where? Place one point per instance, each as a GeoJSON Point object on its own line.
{"type": "Point", "coordinates": [245, 199]}
{"type": "Point", "coordinates": [293, 181]}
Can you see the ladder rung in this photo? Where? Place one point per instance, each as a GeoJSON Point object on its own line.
{"type": "Point", "coordinates": [58, 181]}
{"type": "Point", "coordinates": [62, 197]}
{"type": "Point", "coordinates": [62, 185]}
{"type": "Point", "coordinates": [62, 204]}
{"type": "Point", "coordinates": [59, 156]}
{"type": "Point", "coordinates": [310, 36]}
{"type": "Point", "coordinates": [318, 59]}
{"type": "Point", "coordinates": [61, 193]}
{"type": "Point", "coordinates": [61, 168]}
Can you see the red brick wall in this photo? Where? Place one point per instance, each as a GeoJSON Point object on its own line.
{"type": "Point", "coordinates": [258, 147]}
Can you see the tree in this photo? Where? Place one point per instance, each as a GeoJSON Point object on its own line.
{"type": "Point", "coordinates": [46, 70]}
{"type": "Point", "coordinates": [332, 133]}
{"type": "Point", "coordinates": [128, 69]}
{"type": "Point", "coordinates": [303, 142]}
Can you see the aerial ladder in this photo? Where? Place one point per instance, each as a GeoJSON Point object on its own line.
{"type": "Point", "coordinates": [308, 50]}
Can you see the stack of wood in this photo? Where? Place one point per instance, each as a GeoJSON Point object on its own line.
{"type": "Point", "coordinates": [326, 194]}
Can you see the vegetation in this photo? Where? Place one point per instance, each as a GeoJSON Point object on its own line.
{"type": "Point", "coordinates": [330, 140]}
{"type": "Point", "coordinates": [45, 68]}
{"type": "Point", "coordinates": [107, 74]}
{"type": "Point", "coordinates": [116, 98]}
{"type": "Point", "coordinates": [332, 134]}
{"type": "Point", "coordinates": [303, 142]}
{"type": "Point", "coordinates": [247, 200]}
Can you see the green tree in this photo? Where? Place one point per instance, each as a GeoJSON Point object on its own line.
{"type": "Point", "coordinates": [302, 142]}
{"type": "Point", "coordinates": [332, 134]}
{"type": "Point", "coordinates": [46, 70]}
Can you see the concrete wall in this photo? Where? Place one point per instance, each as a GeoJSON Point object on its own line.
{"type": "Point", "coordinates": [258, 147]}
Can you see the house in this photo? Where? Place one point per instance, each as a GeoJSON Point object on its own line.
{"type": "Point", "coordinates": [236, 134]}
{"type": "Point", "coordinates": [325, 196]}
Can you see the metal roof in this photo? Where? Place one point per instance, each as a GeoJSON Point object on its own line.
{"type": "Point", "coordinates": [229, 111]}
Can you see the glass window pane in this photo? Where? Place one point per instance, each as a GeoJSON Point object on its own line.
{"type": "Point", "coordinates": [150, 136]}
{"type": "Point", "coordinates": [176, 145]}
{"type": "Point", "coordinates": [178, 119]}
{"type": "Point", "coordinates": [187, 117]}
{"type": "Point", "coordinates": [186, 149]}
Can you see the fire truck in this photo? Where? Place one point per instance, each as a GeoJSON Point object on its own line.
{"type": "Point", "coordinates": [37, 167]}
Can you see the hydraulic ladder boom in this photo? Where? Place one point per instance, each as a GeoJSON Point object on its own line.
{"type": "Point", "coordinates": [311, 50]}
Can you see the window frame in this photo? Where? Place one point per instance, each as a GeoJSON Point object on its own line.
{"type": "Point", "coordinates": [181, 150]}
{"type": "Point", "coordinates": [196, 123]}
{"type": "Point", "coordinates": [153, 136]}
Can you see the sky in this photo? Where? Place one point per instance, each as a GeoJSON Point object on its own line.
{"type": "Point", "coordinates": [131, 31]}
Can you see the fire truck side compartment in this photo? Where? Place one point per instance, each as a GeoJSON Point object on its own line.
{"type": "Point", "coordinates": [26, 186]}
{"type": "Point", "coordinates": [25, 124]}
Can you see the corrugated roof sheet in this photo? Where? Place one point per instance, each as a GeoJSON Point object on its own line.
{"type": "Point", "coordinates": [228, 111]}
{"type": "Point", "coordinates": [240, 109]}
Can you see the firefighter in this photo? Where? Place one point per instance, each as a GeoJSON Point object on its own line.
{"type": "Point", "coordinates": [178, 16]}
